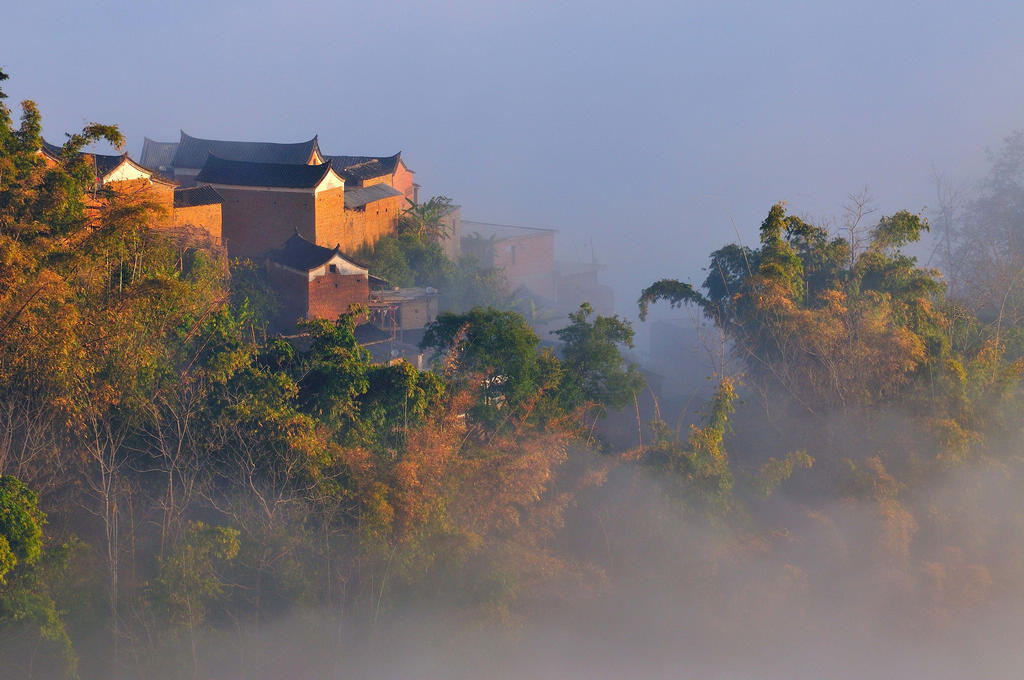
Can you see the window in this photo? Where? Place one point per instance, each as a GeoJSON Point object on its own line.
{"type": "Point", "coordinates": [334, 269]}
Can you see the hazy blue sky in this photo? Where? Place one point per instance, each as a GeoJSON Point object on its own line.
{"type": "Point", "coordinates": [647, 126]}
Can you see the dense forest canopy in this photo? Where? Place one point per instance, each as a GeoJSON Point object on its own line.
{"type": "Point", "coordinates": [183, 495]}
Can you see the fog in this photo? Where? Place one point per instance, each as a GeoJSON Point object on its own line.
{"type": "Point", "coordinates": [648, 134]}
{"type": "Point", "coordinates": [825, 596]}
{"type": "Point", "coordinates": [645, 130]}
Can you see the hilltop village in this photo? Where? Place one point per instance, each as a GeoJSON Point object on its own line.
{"type": "Point", "coordinates": [304, 215]}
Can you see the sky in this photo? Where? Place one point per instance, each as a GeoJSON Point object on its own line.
{"type": "Point", "coordinates": [648, 133]}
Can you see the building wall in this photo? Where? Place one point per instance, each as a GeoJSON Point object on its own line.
{"type": "Point", "coordinates": [329, 219]}
{"type": "Point", "coordinates": [331, 294]}
{"type": "Point", "coordinates": [383, 179]}
{"type": "Point", "coordinates": [185, 177]}
{"type": "Point", "coordinates": [160, 194]}
{"type": "Point", "coordinates": [571, 291]}
{"type": "Point", "coordinates": [413, 314]}
{"type": "Point", "coordinates": [452, 243]}
{"type": "Point", "coordinates": [359, 227]}
{"type": "Point", "coordinates": [403, 181]}
{"type": "Point", "coordinates": [206, 217]}
{"type": "Point", "coordinates": [327, 296]}
{"type": "Point", "coordinates": [256, 222]}
{"type": "Point", "coordinates": [524, 259]}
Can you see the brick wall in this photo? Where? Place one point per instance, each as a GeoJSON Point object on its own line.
{"type": "Point", "coordinates": [521, 258]}
{"type": "Point", "coordinates": [365, 226]}
{"type": "Point", "coordinates": [403, 181]}
{"type": "Point", "coordinates": [370, 181]}
{"type": "Point", "coordinates": [206, 217]}
{"type": "Point", "coordinates": [160, 194]}
{"type": "Point", "coordinates": [325, 297]}
{"type": "Point", "coordinates": [256, 222]}
{"type": "Point", "coordinates": [331, 294]}
{"type": "Point", "coordinates": [330, 221]}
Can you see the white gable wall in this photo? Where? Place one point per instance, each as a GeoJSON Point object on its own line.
{"type": "Point", "coordinates": [125, 172]}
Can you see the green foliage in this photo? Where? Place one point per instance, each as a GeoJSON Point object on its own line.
{"type": "Point", "coordinates": [822, 327]}
{"type": "Point", "coordinates": [426, 219]}
{"type": "Point", "coordinates": [892, 233]}
{"type": "Point", "coordinates": [333, 372]}
{"type": "Point", "coordinates": [496, 350]}
{"type": "Point", "coordinates": [593, 369]}
{"type": "Point", "coordinates": [21, 525]}
{"type": "Point", "coordinates": [413, 256]}
{"type": "Point", "coordinates": [250, 288]}
{"type": "Point", "coordinates": [219, 478]}
{"type": "Point", "coordinates": [397, 397]}
{"type": "Point", "coordinates": [30, 615]}
{"type": "Point", "coordinates": [775, 471]}
{"type": "Point", "coordinates": [698, 469]}
{"type": "Point", "coordinates": [409, 259]}
{"type": "Point", "coordinates": [189, 578]}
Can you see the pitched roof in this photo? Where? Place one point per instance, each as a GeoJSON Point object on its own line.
{"type": "Point", "coordinates": [358, 168]}
{"type": "Point", "coordinates": [299, 253]}
{"type": "Point", "coordinates": [192, 196]}
{"type": "Point", "coordinates": [280, 175]}
{"type": "Point", "coordinates": [192, 151]}
{"type": "Point", "coordinates": [105, 163]}
{"type": "Point", "coordinates": [359, 197]}
{"type": "Point", "coordinates": [157, 154]}
{"type": "Point", "coordinates": [52, 150]}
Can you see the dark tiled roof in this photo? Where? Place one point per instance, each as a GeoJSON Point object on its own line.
{"type": "Point", "coordinates": [192, 196]}
{"type": "Point", "coordinates": [281, 175]}
{"type": "Point", "coordinates": [52, 149]}
{"type": "Point", "coordinates": [299, 253]}
{"type": "Point", "coordinates": [359, 168]}
{"type": "Point", "coordinates": [192, 151]}
{"type": "Point", "coordinates": [105, 163]}
{"type": "Point", "coordinates": [102, 163]}
{"type": "Point", "coordinates": [359, 197]}
{"type": "Point", "coordinates": [157, 154]}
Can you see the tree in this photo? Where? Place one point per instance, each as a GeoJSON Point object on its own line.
{"type": "Point", "coordinates": [27, 605]}
{"type": "Point", "coordinates": [426, 219]}
{"type": "Point", "coordinates": [822, 329]}
{"type": "Point", "coordinates": [984, 243]}
{"type": "Point", "coordinates": [593, 369]}
{"type": "Point", "coordinates": [495, 350]}
{"type": "Point", "coordinates": [21, 525]}
{"type": "Point", "coordinates": [190, 579]}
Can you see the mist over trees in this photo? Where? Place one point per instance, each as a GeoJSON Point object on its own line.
{"type": "Point", "coordinates": [183, 495]}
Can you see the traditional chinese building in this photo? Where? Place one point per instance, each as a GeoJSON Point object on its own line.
{"type": "Point", "coordinates": [264, 203]}
{"type": "Point", "coordinates": [182, 160]}
{"type": "Point", "coordinates": [525, 254]}
{"type": "Point", "coordinates": [123, 175]}
{"type": "Point", "coordinates": [365, 171]}
{"type": "Point", "coordinates": [199, 208]}
{"type": "Point", "coordinates": [315, 282]}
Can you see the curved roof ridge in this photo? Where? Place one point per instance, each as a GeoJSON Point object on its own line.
{"type": "Point", "coordinates": [218, 170]}
{"type": "Point", "coordinates": [298, 252]}
{"type": "Point", "coordinates": [192, 151]}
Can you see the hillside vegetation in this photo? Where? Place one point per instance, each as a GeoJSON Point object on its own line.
{"type": "Point", "coordinates": [184, 496]}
